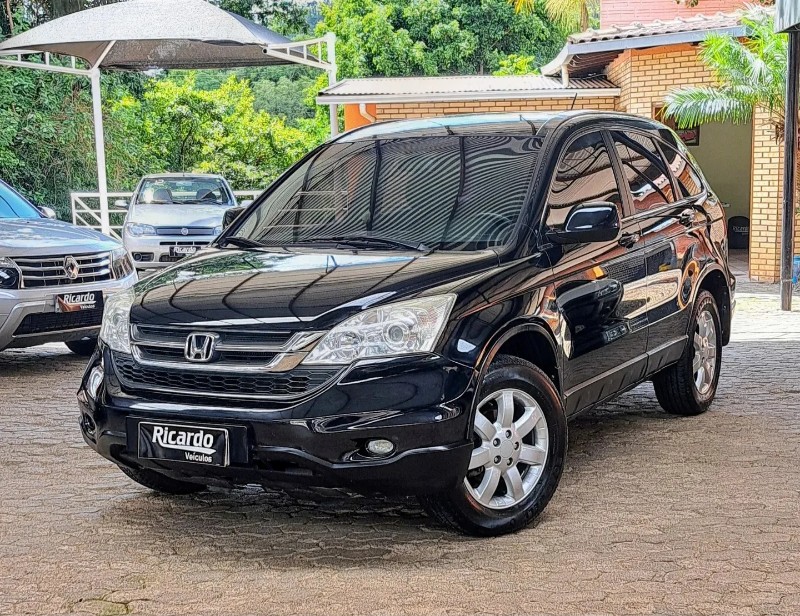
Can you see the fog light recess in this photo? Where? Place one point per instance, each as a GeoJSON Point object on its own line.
{"type": "Point", "coordinates": [380, 447]}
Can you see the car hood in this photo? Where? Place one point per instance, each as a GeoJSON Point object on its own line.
{"type": "Point", "coordinates": [293, 289]}
{"type": "Point", "coordinates": [42, 237]}
{"type": "Point", "coordinates": [178, 215]}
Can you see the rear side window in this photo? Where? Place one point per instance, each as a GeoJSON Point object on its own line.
{"type": "Point", "coordinates": [688, 178]}
{"type": "Point", "coordinates": [584, 175]}
{"type": "Point", "coordinates": [645, 171]}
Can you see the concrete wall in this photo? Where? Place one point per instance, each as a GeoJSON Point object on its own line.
{"type": "Point", "coordinates": [725, 156]}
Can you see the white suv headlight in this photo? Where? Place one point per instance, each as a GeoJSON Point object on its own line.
{"type": "Point", "coordinates": [404, 327]}
{"type": "Point", "coordinates": [115, 330]}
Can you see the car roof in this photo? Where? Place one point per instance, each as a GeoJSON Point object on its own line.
{"type": "Point", "coordinates": [522, 123]}
{"type": "Point", "coordinates": [167, 176]}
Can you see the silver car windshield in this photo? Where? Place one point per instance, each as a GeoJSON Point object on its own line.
{"type": "Point", "coordinates": [449, 193]}
{"type": "Point", "coordinates": [183, 191]}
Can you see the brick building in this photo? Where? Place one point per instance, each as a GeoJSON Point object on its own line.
{"type": "Point", "coordinates": [629, 67]}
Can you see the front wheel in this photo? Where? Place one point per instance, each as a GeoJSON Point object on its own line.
{"type": "Point", "coordinates": [689, 386]}
{"type": "Point", "coordinates": [84, 347]}
{"type": "Point", "coordinates": [520, 442]}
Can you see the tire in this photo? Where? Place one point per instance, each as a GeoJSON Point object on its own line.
{"type": "Point", "coordinates": [161, 483]}
{"type": "Point", "coordinates": [472, 510]}
{"type": "Point", "coordinates": [84, 347]}
{"type": "Point", "coordinates": [680, 389]}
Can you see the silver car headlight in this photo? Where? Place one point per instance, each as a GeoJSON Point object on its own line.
{"type": "Point", "coordinates": [137, 229]}
{"type": "Point", "coordinates": [401, 328]}
{"type": "Point", "coordinates": [115, 330]}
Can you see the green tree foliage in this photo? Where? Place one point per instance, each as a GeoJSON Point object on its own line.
{"type": "Point", "coordinates": [46, 139]}
{"type": "Point", "coordinates": [183, 128]}
{"type": "Point", "coordinates": [572, 15]}
{"type": "Point", "coordinates": [750, 73]}
{"type": "Point", "coordinates": [435, 37]}
{"type": "Point", "coordinates": [516, 64]}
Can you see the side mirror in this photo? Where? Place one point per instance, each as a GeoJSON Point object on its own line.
{"type": "Point", "coordinates": [231, 215]}
{"type": "Point", "coordinates": [121, 204]}
{"type": "Point", "coordinates": [588, 222]}
{"type": "Point", "coordinates": [48, 212]}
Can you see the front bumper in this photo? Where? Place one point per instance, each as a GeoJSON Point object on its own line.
{"type": "Point", "coordinates": [155, 251]}
{"type": "Point", "coordinates": [16, 304]}
{"type": "Point", "coordinates": [421, 404]}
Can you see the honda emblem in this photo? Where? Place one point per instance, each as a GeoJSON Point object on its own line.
{"type": "Point", "coordinates": [201, 348]}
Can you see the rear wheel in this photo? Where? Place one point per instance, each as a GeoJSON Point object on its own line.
{"type": "Point", "coordinates": [689, 386]}
{"type": "Point", "coordinates": [84, 347]}
{"type": "Point", "coordinates": [520, 442]}
{"type": "Point", "coordinates": [161, 483]}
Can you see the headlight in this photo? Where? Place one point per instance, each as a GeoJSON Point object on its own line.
{"type": "Point", "coordinates": [136, 229]}
{"type": "Point", "coordinates": [217, 230]}
{"type": "Point", "coordinates": [120, 263]}
{"type": "Point", "coordinates": [115, 330]}
{"type": "Point", "coordinates": [395, 329]}
{"type": "Point", "coordinates": [9, 274]}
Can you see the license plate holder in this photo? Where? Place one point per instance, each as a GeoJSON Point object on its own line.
{"type": "Point", "coordinates": [76, 302]}
{"type": "Point", "coordinates": [182, 251]}
{"type": "Point", "coordinates": [189, 443]}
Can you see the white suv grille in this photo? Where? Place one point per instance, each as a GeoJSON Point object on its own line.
{"type": "Point", "coordinates": [61, 270]}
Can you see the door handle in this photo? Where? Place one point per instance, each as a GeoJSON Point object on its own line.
{"type": "Point", "coordinates": [686, 218]}
{"type": "Point", "coordinates": [628, 240]}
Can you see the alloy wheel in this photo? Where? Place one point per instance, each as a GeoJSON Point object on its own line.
{"type": "Point", "coordinates": [704, 362]}
{"type": "Point", "coordinates": [511, 448]}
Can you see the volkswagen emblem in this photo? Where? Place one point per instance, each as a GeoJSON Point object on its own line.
{"type": "Point", "coordinates": [184, 231]}
{"type": "Point", "coordinates": [201, 348]}
{"type": "Point", "coordinates": [71, 268]}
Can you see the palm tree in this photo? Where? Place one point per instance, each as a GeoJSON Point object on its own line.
{"type": "Point", "coordinates": [750, 74]}
{"type": "Point", "coordinates": [572, 15]}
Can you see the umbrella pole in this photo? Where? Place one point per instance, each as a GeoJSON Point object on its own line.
{"type": "Point", "coordinates": [332, 76]}
{"type": "Point", "coordinates": [100, 148]}
{"type": "Point", "coordinates": [789, 170]}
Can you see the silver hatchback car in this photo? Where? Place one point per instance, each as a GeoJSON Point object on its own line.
{"type": "Point", "coordinates": [173, 215]}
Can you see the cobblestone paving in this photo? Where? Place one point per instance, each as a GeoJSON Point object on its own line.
{"type": "Point", "coordinates": [655, 515]}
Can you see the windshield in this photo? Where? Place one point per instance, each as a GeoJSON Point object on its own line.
{"type": "Point", "coordinates": [184, 190]}
{"type": "Point", "coordinates": [451, 192]}
{"type": "Point", "coordinates": [14, 205]}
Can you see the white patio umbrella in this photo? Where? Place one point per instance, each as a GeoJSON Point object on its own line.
{"type": "Point", "coordinates": [147, 34]}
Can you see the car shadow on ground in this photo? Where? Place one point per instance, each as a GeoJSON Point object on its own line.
{"type": "Point", "coordinates": [286, 528]}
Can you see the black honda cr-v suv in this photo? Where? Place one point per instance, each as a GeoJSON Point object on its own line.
{"type": "Point", "coordinates": [418, 307]}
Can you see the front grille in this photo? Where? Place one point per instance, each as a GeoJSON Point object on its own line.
{"type": "Point", "coordinates": [186, 243]}
{"type": "Point", "coordinates": [189, 230]}
{"type": "Point", "coordinates": [291, 384]}
{"type": "Point", "coordinates": [157, 334]}
{"type": "Point", "coordinates": [44, 322]}
{"type": "Point", "coordinates": [234, 350]}
{"type": "Point", "coordinates": [52, 271]}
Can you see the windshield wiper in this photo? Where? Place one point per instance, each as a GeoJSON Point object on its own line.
{"type": "Point", "coordinates": [240, 242]}
{"type": "Point", "coordinates": [366, 241]}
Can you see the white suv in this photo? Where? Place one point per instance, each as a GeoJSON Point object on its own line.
{"type": "Point", "coordinates": [54, 277]}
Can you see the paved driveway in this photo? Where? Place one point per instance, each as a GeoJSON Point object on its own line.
{"type": "Point", "coordinates": [655, 515]}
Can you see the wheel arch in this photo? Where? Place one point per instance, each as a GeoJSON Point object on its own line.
{"type": "Point", "coordinates": [532, 341]}
{"type": "Point", "coordinates": [715, 282]}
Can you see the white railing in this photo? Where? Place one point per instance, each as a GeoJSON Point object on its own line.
{"type": "Point", "coordinates": [86, 209]}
